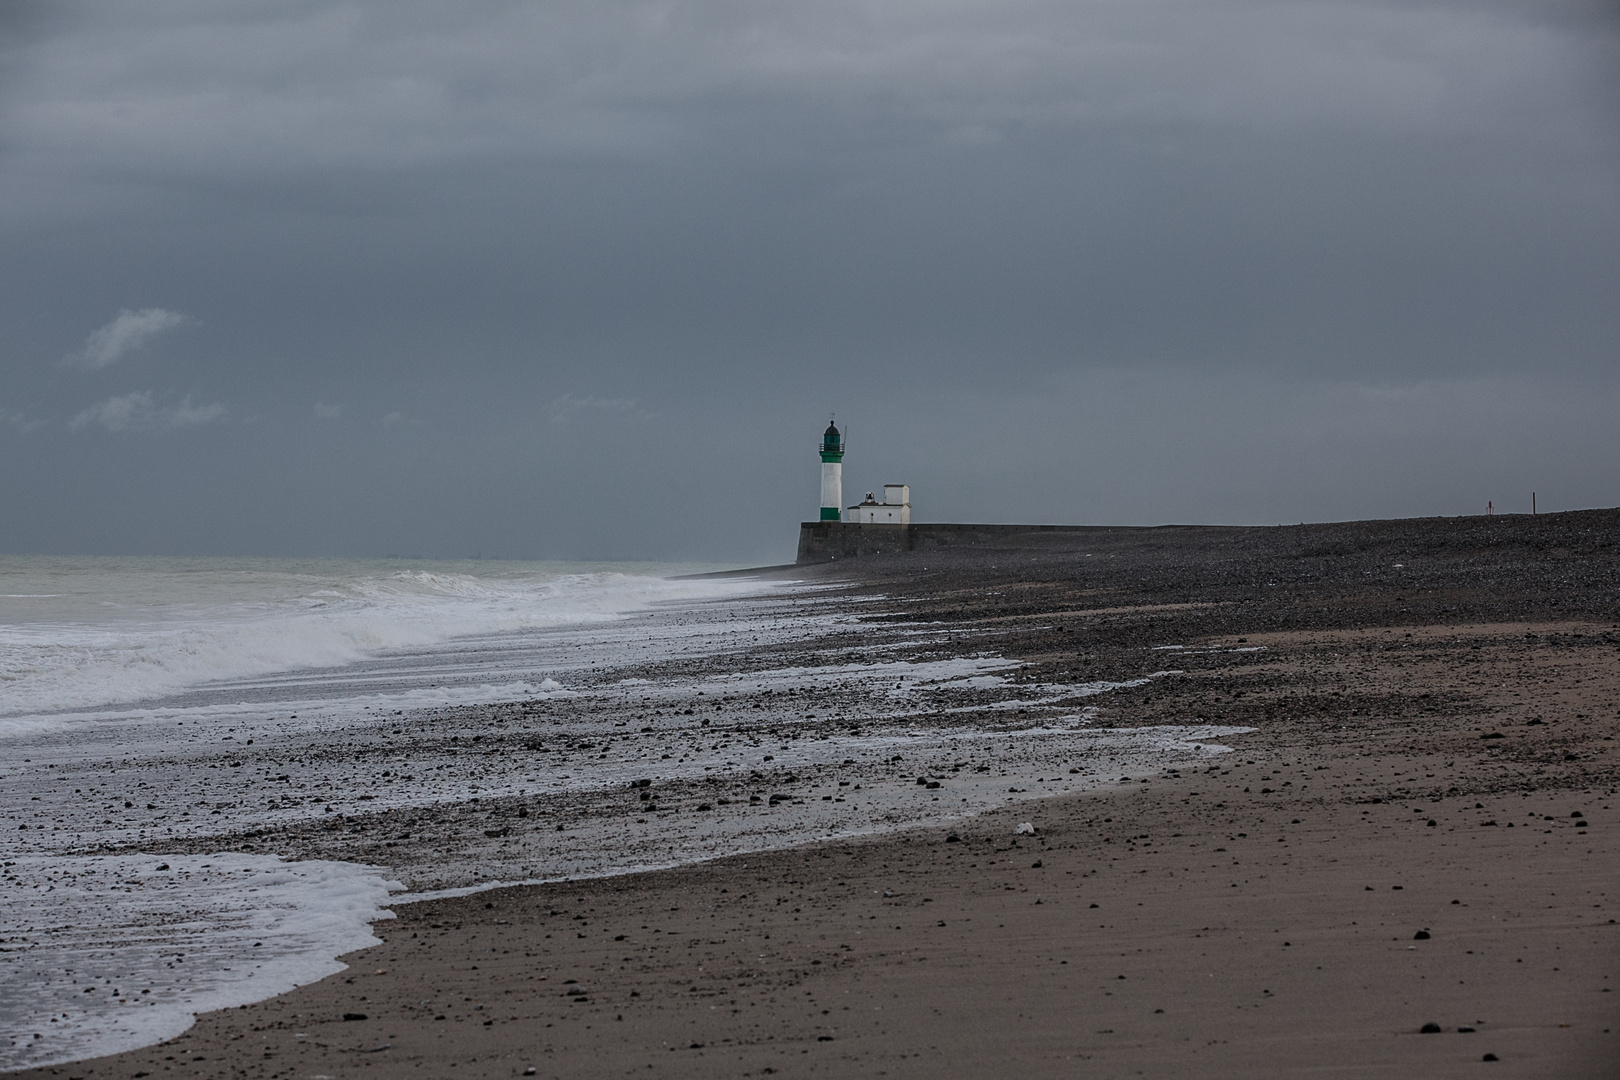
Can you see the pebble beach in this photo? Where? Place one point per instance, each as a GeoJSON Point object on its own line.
{"type": "Point", "coordinates": [1201, 802]}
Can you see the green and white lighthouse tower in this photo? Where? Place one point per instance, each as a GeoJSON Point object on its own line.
{"type": "Point", "coordinates": [832, 474]}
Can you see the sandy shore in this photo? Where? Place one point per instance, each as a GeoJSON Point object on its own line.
{"type": "Point", "coordinates": [1434, 705]}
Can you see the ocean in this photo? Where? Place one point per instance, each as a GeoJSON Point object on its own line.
{"type": "Point", "coordinates": [217, 774]}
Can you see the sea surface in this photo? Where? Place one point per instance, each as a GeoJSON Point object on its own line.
{"type": "Point", "coordinates": [83, 634]}
{"type": "Point", "coordinates": [216, 774]}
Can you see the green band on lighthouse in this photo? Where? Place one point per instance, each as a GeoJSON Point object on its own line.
{"type": "Point", "coordinates": [829, 513]}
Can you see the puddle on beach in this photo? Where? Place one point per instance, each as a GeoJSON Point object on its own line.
{"type": "Point", "coordinates": [689, 733]}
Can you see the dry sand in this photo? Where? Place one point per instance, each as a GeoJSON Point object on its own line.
{"type": "Point", "coordinates": [1261, 917]}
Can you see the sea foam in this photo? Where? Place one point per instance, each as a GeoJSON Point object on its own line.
{"type": "Point", "coordinates": [106, 954]}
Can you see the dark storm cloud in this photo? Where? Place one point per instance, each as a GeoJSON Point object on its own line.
{"type": "Point", "coordinates": [581, 279]}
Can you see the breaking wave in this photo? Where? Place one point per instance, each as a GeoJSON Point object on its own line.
{"type": "Point", "coordinates": [113, 634]}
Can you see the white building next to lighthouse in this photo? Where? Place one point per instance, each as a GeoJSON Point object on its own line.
{"type": "Point", "coordinates": [895, 509]}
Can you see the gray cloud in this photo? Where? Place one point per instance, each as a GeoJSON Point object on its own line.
{"type": "Point", "coordinates": [136, 412]}
{"type": "Point", "coordinates": [130, 330]}
{"type": "Point", "coordinates": [20, 421]}
{"type": "Point", "coordinates": [568, 407]}
{"type": "Point", "coordinates": [1172, 260]}
{"type": "Point", "coordinates": [403, 84]}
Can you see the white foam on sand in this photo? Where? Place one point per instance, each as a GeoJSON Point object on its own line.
{"type": "Point", "coordinates": [107, 954]}
{"type": "Point", "coordinates": [312, 709]}
{"type": "Point", "coordinates": [1017, 766]}
{"type": "Point", "coordinates": [933, 672]}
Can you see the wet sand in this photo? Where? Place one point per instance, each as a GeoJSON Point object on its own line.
{"type": "Point", "coordinates": [1269, 902]}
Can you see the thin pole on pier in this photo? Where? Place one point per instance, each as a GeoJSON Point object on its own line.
{"type": "Point", "coordinates": [1532, 504]}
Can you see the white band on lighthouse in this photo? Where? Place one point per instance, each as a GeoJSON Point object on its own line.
{"type": "Point", "coordinates": [832, 490]}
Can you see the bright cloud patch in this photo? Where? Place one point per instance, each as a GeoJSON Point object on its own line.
{"type": "Point", "coordinates": [136, 412]}
{"type": "Point", "coordinates": [129, 331]}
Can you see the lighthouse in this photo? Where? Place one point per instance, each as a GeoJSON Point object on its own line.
{"type": "Point", "coordinates": [832, 473]}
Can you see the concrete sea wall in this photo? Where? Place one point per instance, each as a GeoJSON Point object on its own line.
{"type": "Point", "coordinates": [823, 541]}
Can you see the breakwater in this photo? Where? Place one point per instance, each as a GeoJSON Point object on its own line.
{"type": "Point", "coordinates": [824, 541]}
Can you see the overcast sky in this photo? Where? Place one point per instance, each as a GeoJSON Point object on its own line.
{"type": "Point", "coordinates": [585, 279]}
